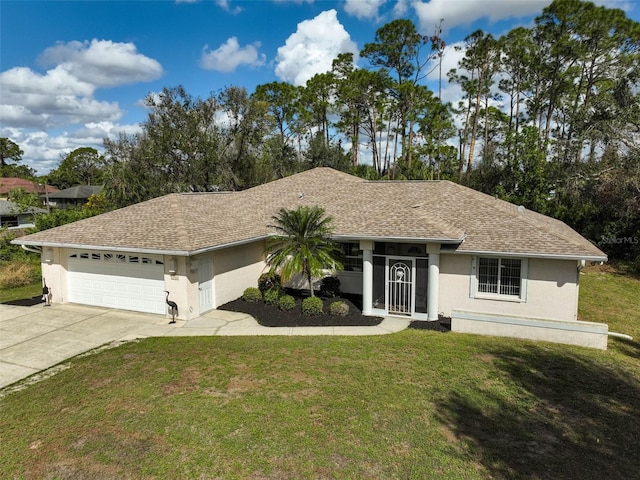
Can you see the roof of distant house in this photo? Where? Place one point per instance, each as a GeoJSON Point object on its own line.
{"type": "Point", "coordinates": [11, 208]}
{"type": "Point", "coordinates": [79, 192]}
{"type": "Point", "coordinates": [399, 211]}
{"type": "Point", "coordinates": [8, 184]}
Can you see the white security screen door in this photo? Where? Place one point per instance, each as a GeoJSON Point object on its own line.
{"type": "Point", "coordinates": [400, 286]}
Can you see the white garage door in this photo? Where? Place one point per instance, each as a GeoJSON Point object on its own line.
{"type": "Point", "coordinates": [117, 280]}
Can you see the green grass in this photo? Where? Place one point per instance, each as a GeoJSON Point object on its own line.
{"type": "Point", "coordinates": [21, 293]}
{"type": "Point", "coordinates": [417, 404]}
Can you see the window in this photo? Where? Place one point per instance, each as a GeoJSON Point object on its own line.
{"type": "Point", "coordinates": [501, 276]}
{"type": "Point", "coordinates": [351, 257]}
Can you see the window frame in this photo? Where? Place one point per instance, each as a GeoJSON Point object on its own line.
{"type": "Point", "coordinates": [353, 263]}
{"type": "Point", "coordinates": [475, 279]}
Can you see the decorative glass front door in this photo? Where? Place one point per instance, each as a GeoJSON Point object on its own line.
{"type": "Point", "coordinates": [400, 286]}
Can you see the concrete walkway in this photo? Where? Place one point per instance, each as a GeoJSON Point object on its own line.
{"type": "Point", "coordinates": [36, 338]}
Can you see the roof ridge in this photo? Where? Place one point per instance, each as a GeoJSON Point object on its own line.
{"type": "Point", "coordinates": [177, 214]}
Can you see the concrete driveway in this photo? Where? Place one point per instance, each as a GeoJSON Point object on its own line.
{"type": "Point", "coordinates": [36, 338]}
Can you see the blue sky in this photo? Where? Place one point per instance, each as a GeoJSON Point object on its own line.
{"type": "Point", "coordinates": [74, 72]}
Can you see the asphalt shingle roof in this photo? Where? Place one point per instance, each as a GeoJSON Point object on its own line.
{"type": "Point", "coordinates": [79, 192]}
{"type": "Point", "coordinates": [402, 210]}
{"type": "Point", "coordinates": [9, 183]}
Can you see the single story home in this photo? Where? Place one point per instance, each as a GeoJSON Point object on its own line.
{"type": "Point", "coordinates": [13, 216]}
{"type": "Point", "coordinates": [71, 197]}
{"type": "Point", "coordinates": [414, 249]}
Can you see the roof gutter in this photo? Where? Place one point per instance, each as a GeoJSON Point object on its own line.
{"type": "Point", "coordinates": [550, 256]}
{"type": "Point", "coordinates": [451, 241]}
{"type": "Point", "coordinates": [177, 253]}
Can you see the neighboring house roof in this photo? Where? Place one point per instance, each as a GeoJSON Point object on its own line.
{"type": "Point", "coordinates": [10, 208]}
{"type": "Point", "coordinates": [79, 192]}
{"type": "Point", "coordinates": [404, 211]}
{"type": "Point", "coordinates": [8, 184]}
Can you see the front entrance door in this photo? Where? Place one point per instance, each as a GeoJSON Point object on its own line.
{"type": "Point", "coordinates": [400, 286]}
{"type": "Point", "coordinates": [205, 273]}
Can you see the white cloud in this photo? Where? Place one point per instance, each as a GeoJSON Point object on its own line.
{"type": "Point", "coordinates": [102, 63]}
{"type": "Point", "coordinates": [43, 150]}
{"type": "Point", "coordinates": [224, 4]}
{"type": "Point", "coordinates": [401, 8]}
{"type": "Point", "coordinates": [228, 56]}
{"type": "Point", "coordinates": [35, 107]}
{"type": "Point", "coordinates": [453, 53]}
{"type": "Point", "coordinates": [33, 100]}
{"type": "Point", "coordinates": [22, 80]}
{"type": "Point", "coordinates": [312, 48]}
{"type": "Point", "coordinates": [464, 12]}
{"type": "Point", "coordinates": [363, 9]}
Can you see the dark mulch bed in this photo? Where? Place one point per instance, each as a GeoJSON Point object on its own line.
{"type": "Point", "coordinates": [443, 324]}
{"type": "Point", "coordinates": [272, 316]}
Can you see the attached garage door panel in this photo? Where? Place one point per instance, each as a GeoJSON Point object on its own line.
{"type": "Point", "coordinates": [120, 281]}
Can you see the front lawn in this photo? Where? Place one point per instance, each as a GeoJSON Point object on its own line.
{"type": "Point", "coordinates": [22, 294]}
{"type": "Point", "coordinates": [418, 404]}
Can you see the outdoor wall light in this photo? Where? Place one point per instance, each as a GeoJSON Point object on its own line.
{"type": "Point", "coordinates": [171, 264]}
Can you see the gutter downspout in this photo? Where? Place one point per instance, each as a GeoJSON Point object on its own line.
{"type": "Point", "coordinates": [29, 249]}
{"type": "Point", "coordinates": [620, 335]}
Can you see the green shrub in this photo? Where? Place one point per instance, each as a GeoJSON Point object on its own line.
{"type": "Point", "coordinates": [267, 281]}
{"type": "Point", "coordinates": [330, 287]}
{"type": "Point", "coordinates": [312, 306]}
{"type": "Point", "coordinates": [271, 296]}
{"type": "Point", "coordinates": [339, 309]}
{"type": "Point", "coordinates": [251, 295]}
{"type": "Point", "coordinates": [286, 303]}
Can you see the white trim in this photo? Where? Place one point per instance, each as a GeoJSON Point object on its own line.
{"type": "Point", "coordinates": [473, 284]}
{"type": "Point", "coordinates": [447, 241]}
{"type": "Point", "coordinates": [401, 239]}
{"type": "Point", "coordinates": [177, 253]}
{"type": "Point", "coordinates": [549, 256]}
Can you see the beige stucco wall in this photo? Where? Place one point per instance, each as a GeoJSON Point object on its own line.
{"type": "Point", "coordinates": [54, 262]}
{"type": "Point", "coordinates": [235, 269]}
{"type": "Point", "coordinates": [552, 290]}
{"type": "Point", "coordinates": [180, 287]}
{"type": "Point", "coordinates": [585, 334]}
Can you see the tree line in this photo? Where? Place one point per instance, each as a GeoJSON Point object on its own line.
{"type": "Point", "coordinates": [549, 118]}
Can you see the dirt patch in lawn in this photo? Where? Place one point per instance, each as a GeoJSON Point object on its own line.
{"type": "Point", "coordinates": [272, 316]}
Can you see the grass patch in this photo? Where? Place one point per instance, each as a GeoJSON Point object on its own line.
{"type": "Point", "coordinates": [418, 404]}
{"type": "Point", "coordinates": [21, 293]}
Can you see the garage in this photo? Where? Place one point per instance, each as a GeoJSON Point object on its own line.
{"type": "Point", "coordinates": [128, 281]}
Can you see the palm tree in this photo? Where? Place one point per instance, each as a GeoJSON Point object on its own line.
{"type": "Point", "coordinates": [303, 244]}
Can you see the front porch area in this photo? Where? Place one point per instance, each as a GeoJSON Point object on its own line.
{"type": "Point", "coordinates": [394, 279]}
